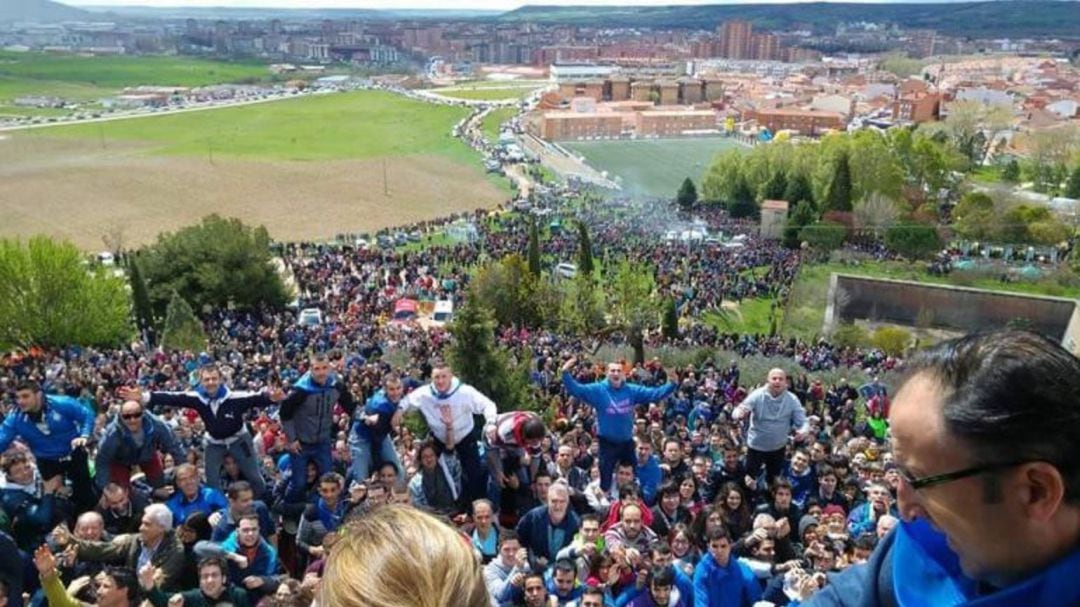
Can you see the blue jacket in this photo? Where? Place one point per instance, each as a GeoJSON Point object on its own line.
{"type": "Point", "coordinates": [31, 516]}
{"type": "Point", "coordinates": [731, 586]}
{"type": "Point", "coordinates": [227, 421]}
{"type": "Point", "coordinates": [534, 532]}
{"type": "Point", "coordinates": [861, 521]}
{"type": "Point", "coordinates": [117, 446]}
{"type": "Point", "coordinates": [649, 477]}
{"type": "Point", "coordinates": [265, 563]}
{"type": "Point", "coordinates": [208, 501]}
{"type": "Point", "coordinates": [65, 418]}
{"type": "Point", "coordinates": [931, 575]}
{"type": "Point", "coordinates": [379, 405]}
{"type": "Point", "coordinates": [802, 487]}
{"type": "Point", "coordinates": [615, 408]}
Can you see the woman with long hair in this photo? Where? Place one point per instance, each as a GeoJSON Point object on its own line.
{"type": "Point", "coordinates": [731, 502]}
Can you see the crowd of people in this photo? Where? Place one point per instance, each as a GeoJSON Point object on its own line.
{"type": "Point", "coordinates": [227, 476]}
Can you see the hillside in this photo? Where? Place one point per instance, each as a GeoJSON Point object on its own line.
{"type": "Point", "coordinates": [39, 10]}
{"type": "Point", "coordinates": [1012, 18]}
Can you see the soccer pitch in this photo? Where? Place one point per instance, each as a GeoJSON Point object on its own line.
{"type": "Point", "coordinates": [653, 167]}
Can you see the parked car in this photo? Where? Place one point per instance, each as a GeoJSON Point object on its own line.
{"type": "Point", "coordinates": [444, 312]}
{"type": "Point", "coordinates": [310, 317]}
{"type": "Point", "coordinates": [566, 270]}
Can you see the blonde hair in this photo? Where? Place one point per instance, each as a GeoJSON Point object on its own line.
{"type": "Point", "coordinates": [398, 556]}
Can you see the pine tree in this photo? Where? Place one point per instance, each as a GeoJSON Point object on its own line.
{"type": "Point", "coordinates": [480, 363]}
{"type": "Point", "coordinates": [775, 187]}
{"type": "Point", "coordinates": [534, 249]}
{"type": "Point", "coordinates": [798, 189]}
{"type": "Point", "coordinates": [140, 296]}
{"type": "Point", "coordinates": [687, 195]}
{"type": "Point", "coordinates": [1011, 171]}
{"type": "Point", "coordinates": [182, 330]}
{"type": "Point", "coordinates": [838, 190]}
{"type": "Point", "coordinates": [585, 258]}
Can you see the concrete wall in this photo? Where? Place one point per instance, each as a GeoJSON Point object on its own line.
{"type": "Point", "coordinates": [958, 308]}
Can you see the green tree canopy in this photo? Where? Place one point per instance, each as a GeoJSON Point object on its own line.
{"type": "Point", "coordinates": [585, 256]}
{"type": "Point", "coordinates": [913, 240]}
{"type": "Point", "coordinates": [824, 236]}
{"type": "Point", "coordinates": [217, 263]}
{"type": "Point", "coordinates": [50, 297]}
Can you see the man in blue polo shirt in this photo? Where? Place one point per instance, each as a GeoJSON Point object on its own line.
{"type": "Point", "coordinates": [192, 497]}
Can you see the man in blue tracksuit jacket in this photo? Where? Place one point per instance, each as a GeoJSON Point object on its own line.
{"type": "Point", "coordinates": [614, 400]}
{"type": "Point", "coordinates": [369, 439]}
{"type": "Point", "coordinates": [135, 437]}
{"type": "Point", "coordinates": [57, 429]}
{"type": "Point", "coordinates": [720, 580]}
{"type": "Point", "coordinates": [222, 412]}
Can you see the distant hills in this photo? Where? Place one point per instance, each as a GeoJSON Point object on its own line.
{"type": "Point", "coordinates": [1002, 18]}
{"type": "Point", "coordinates": [39, 10]}
{"type": "Point", "coordinates": [1005, 18]}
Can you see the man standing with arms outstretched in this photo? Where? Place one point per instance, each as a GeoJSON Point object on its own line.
{"type": "Point", "coordinates": [774, 411]}
{"type": "Point", "coordinates": [448, 406]}
{"type": "Point", "coordinates": [223, 412]}
{"type": "Point", "coordinates": [614, 400]}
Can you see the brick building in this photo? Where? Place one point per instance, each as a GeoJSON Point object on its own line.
{"type": "Point", "coordinates": [803, 122]}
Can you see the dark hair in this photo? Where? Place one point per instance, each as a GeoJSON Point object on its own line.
{"type": "Point", "coordinates": [331, 477]}
{"type": "Point", "coordinates": [668, 488]}
{"type": "Point", "coordinates": [1009, 396]}
{"type": "Point", "coordinates": [508, 535]}
{"type": "Point", "coordinates": [533, 428]}
{"type": "Point", "coordinates": [208, 367]}
{"type": "Point", "coordinates": [780, 483]}
{"type": "Point", "coordinates": [824, 470]}
{"type": "Point", "coordinates": [592, 591]}
{"type": "Point", "coordinates": [564, 566]}
{"type": "Point", "coordinates": [32, 386]}
{"type": "Point", "coordinates": [660, 547]}
{"type": "Point", "coordinates": [16, 457]}
{"type": "Point", "coordinates": [590, 517]}
{"type": "Point", "coordinates": [214, 561]}
{"type": "Point", "coordinates": [662, 576]}
{"type": "Point", "coordinates": [238, 487]}
{"type": "Point", "coordinates": [866, 541]}
{"type": "Point", "coordinates": [123, 578]}
{"type": "Point", "coordinates": [719, 533]}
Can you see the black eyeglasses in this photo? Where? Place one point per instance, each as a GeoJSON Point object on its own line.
{"type": "Point", "coordinates": [132, 415]}
{"type": "Point", "coordinates": [948, 477]}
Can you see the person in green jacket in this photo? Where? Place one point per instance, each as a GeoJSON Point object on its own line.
{"type": "Point", "coordinates": [116, 587]}
{"type": "Point", "coordinates": [214, 588]}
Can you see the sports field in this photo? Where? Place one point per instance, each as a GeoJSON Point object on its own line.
{"type": "Point", "coordinates": [485, 94]}
{"type": "Point", "coordinates": [493, 121]}
{"type": "Point", "coordinates": [653, 167]}
{"type": "Point", "coordinates": [307, 168]}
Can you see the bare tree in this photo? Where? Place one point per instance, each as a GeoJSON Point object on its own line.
{"type": "Point", "coordinates": [114, 236]}
{"type": "Point", "coordinates": [876, 212]}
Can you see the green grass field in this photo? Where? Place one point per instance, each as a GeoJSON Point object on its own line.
{"type": "Point", "coordinates": [363, 124]}
{"type": "Point", "coordinates": [82, 79]}
{"type": "Point", "coordinates": [118, 72]}
{"type": "Point", "coordinates": [485, 94]}
{"type": "Point", "coordinates": [652, 167]}
{"type": "Point", "coordinates": [491, 123]}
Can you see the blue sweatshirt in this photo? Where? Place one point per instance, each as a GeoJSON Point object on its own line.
{"type": "Point", "coordinates": [207, 501]}
{"type": "Point", "coordinates": [649, 476]}
{"type": "Point", "coordinates": [65, 419]}
{"type": "Point", "coordinates": [615, 408]}
{"type": "Point", "coordinates": [379, 405]}
{"type": "Point", "coordinates": [731, 586]}
{"type": "Point", "coordinates": [931, 575]}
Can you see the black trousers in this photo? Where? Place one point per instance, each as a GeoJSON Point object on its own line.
{"type": "Point", "coordinates": [772, 460]}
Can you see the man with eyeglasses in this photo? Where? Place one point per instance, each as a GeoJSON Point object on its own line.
{"type": "Point", "coordinates": [865, 516]}
{"type": "Point", "coordinates": [252, 562]}
{"type": "Point", "coordinates": [983, 430]}
{"type": "Point", "coordinates": [134, 438]}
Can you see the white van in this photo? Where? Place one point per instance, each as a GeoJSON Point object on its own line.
{"type": "Point", "coordinates": [566, 270]}
{"type": "Point", "coordinates": [310, 317]}
{"type": "Point", "coordinates": [443, 314]}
